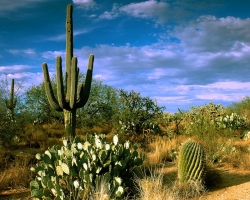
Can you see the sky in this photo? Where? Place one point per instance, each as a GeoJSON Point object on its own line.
{"type": "Point", "coordinates": [180, 52]}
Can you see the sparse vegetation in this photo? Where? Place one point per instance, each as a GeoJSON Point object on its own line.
{"type": "Point", "coordinates": [94, 165]}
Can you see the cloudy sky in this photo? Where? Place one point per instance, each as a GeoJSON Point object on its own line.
{"type": "Point", "coordinates": [180, 52]}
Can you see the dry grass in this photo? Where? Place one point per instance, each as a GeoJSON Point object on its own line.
{"type": "Point", "coordinates": [17, 175]}
{"type": "Point", "coordinates": [152, 187]}
{"type": "Point", "coordinates": [54, 130]}
{"type": "Point", "coordinates": [241, 157]}
{"type": "Point", "coordinates": [162, 149]}
{"type": "Point", "coordinates": [101, 192]}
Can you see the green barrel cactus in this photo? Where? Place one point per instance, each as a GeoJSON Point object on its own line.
{"type": "Point", "coordinates": [191, 162]}
{"type": "Point", "coordinates": [71, 95]}
{"type": "Point", "coordinates": [11, 103]}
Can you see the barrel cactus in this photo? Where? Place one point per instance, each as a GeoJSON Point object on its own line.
{"type": "Point", "coordinates": [191, 162]}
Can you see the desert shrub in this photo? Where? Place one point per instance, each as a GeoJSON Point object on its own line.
{"type": "Point", "coordinates": [232, 121]}
{"type": "Point", "coordinates": [75, 170]}
{"type": "Point", "coordinates": [137, 113]}
{"type": "Point", "coordinates": [242, 107]}
{"type": "Point", "coordinates": [200, 121]}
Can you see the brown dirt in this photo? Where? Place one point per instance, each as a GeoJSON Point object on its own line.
{"type": "Point", "coordinates": [234, 185]}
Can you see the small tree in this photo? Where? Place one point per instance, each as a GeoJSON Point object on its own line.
{"type": "Point", "coordinates": [101, 107]}
{"type": "Point", "coordinates": [37, 107]}
{"type": "Point", "coordinates": [137, 113]}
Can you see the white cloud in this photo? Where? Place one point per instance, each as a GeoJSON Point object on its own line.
{"type": "Point", "coordinates": [27, 52]}
{"type": "Point", "coordinates": [26, 79]}
{"type": "Point", "coordinates": [51, 55]}
{"type": "Point", "coordinates": [150, 9]}
{"type": "Point", "coordinates": [84, 3]}
{"type": "Point", "coordinates": [14, 69]}
{"type": "Point", "coordinates": [111, 14]}
{"type": "Point", "coordinates": [15, 5]}
{"type": "Point", "coordinates": [211, 34]}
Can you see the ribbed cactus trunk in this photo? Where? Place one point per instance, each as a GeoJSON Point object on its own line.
{"type": "Point", "coordinates": [70, 122]}
{"type": "Point", "coordinates": [74, 95]}
{"type": "Point", "coordinates": [191, 162]}
{"type": "Point", "coordinates": [11, 103]}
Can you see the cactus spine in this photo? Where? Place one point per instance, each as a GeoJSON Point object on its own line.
{"type": "Point", "coordinates": [74, 95]}
{"type": "Point", "coordinates": [191, 163]}
{"type": "Point", "coordinates": [11, 103]}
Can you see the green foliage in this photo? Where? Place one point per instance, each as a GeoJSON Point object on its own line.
{"type": "Point", "coordinates": [74, 170]}
{"type": "Point", "coordinates": [200, 120]}
{"type": "Point", "coordinates": [191, 162]}
{"type": "Point", "coordinates": [232, 121]}
{"type": "Point", "coordinates": [101, 107]}
{"type": "Point", "coordinates": [242, 108]}
{"type": "Point", "coordinates": [137, 113]}
{"type": "Point", "coordinates": [205, 121]}
{"type": "Point", "coordinates": [73, 95]}
{"type": "Point", "coordinates": [9, 126]}
{"type": "Point", "coordinates": [37, 107]}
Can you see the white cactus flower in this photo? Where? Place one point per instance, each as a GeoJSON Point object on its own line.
{"type": "Point", "coordinates": [119, 191]}
{"type": "Point", "coordinates": [76, 184]}
{"type": "Point", "coordinates": [126, 145]}
{"type": "Point", "coordinates": [79, 145]}
{"type": "Point", "coordinates": [65, 142]}
{"type": "Point", "coordinates": [115, 139]}
{"type": "Point", "coordinates": [118, 180]}
{"type": "Point", "coordinates": [85, 166]}
{"type": "Point", "coordinates": [98, 143]}
{"type": "Point", "coordinates": [107, 147]}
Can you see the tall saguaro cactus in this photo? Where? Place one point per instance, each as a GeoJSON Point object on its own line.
{"type": "Point", "coordinates": [11, 103]}
{"type": "Point", "coordinates": [71, 95]}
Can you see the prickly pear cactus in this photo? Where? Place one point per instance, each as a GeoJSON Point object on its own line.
{"type": "Point", "coordinates": [73, 170]}
{"type": "Point", "coordinates": [191, 162]}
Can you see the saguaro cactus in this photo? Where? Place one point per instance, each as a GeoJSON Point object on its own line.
{"type": "Point", "coordinates": [191, 163]}
{"type": "Point", "coordinates": [11, 103]}
{"type": "Point", "coordinates": [74, 95]}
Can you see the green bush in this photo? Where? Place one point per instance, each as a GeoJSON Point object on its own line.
{"type": "Point", "coordinates": [75, 169]}
{"type": "Point", "coordinates": [232, 121]}
{"type": "Point", "coordinates": [137, 113]}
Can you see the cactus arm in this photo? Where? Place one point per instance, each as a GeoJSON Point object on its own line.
{"type": "Point", "coordinates": [12, 100]}
{"type": "Point", "coordinates": [48, 89]}
{"type": "Point", "coordinates": [79, 91]}
{"type": "Point", "coordinates": [59, 83]}
{"type": "Point", "coordinates": [74, 78]}
{"type": "Point", "coordinates": [69, 49]}
{"type": "Point", "coordinates": [86, 88]}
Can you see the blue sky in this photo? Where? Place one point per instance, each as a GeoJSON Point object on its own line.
{"type": "Point", "coordinates": [179, 52]}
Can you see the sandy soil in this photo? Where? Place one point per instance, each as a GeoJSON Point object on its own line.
{"type": "Point", "coordinates": [234, 185]}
